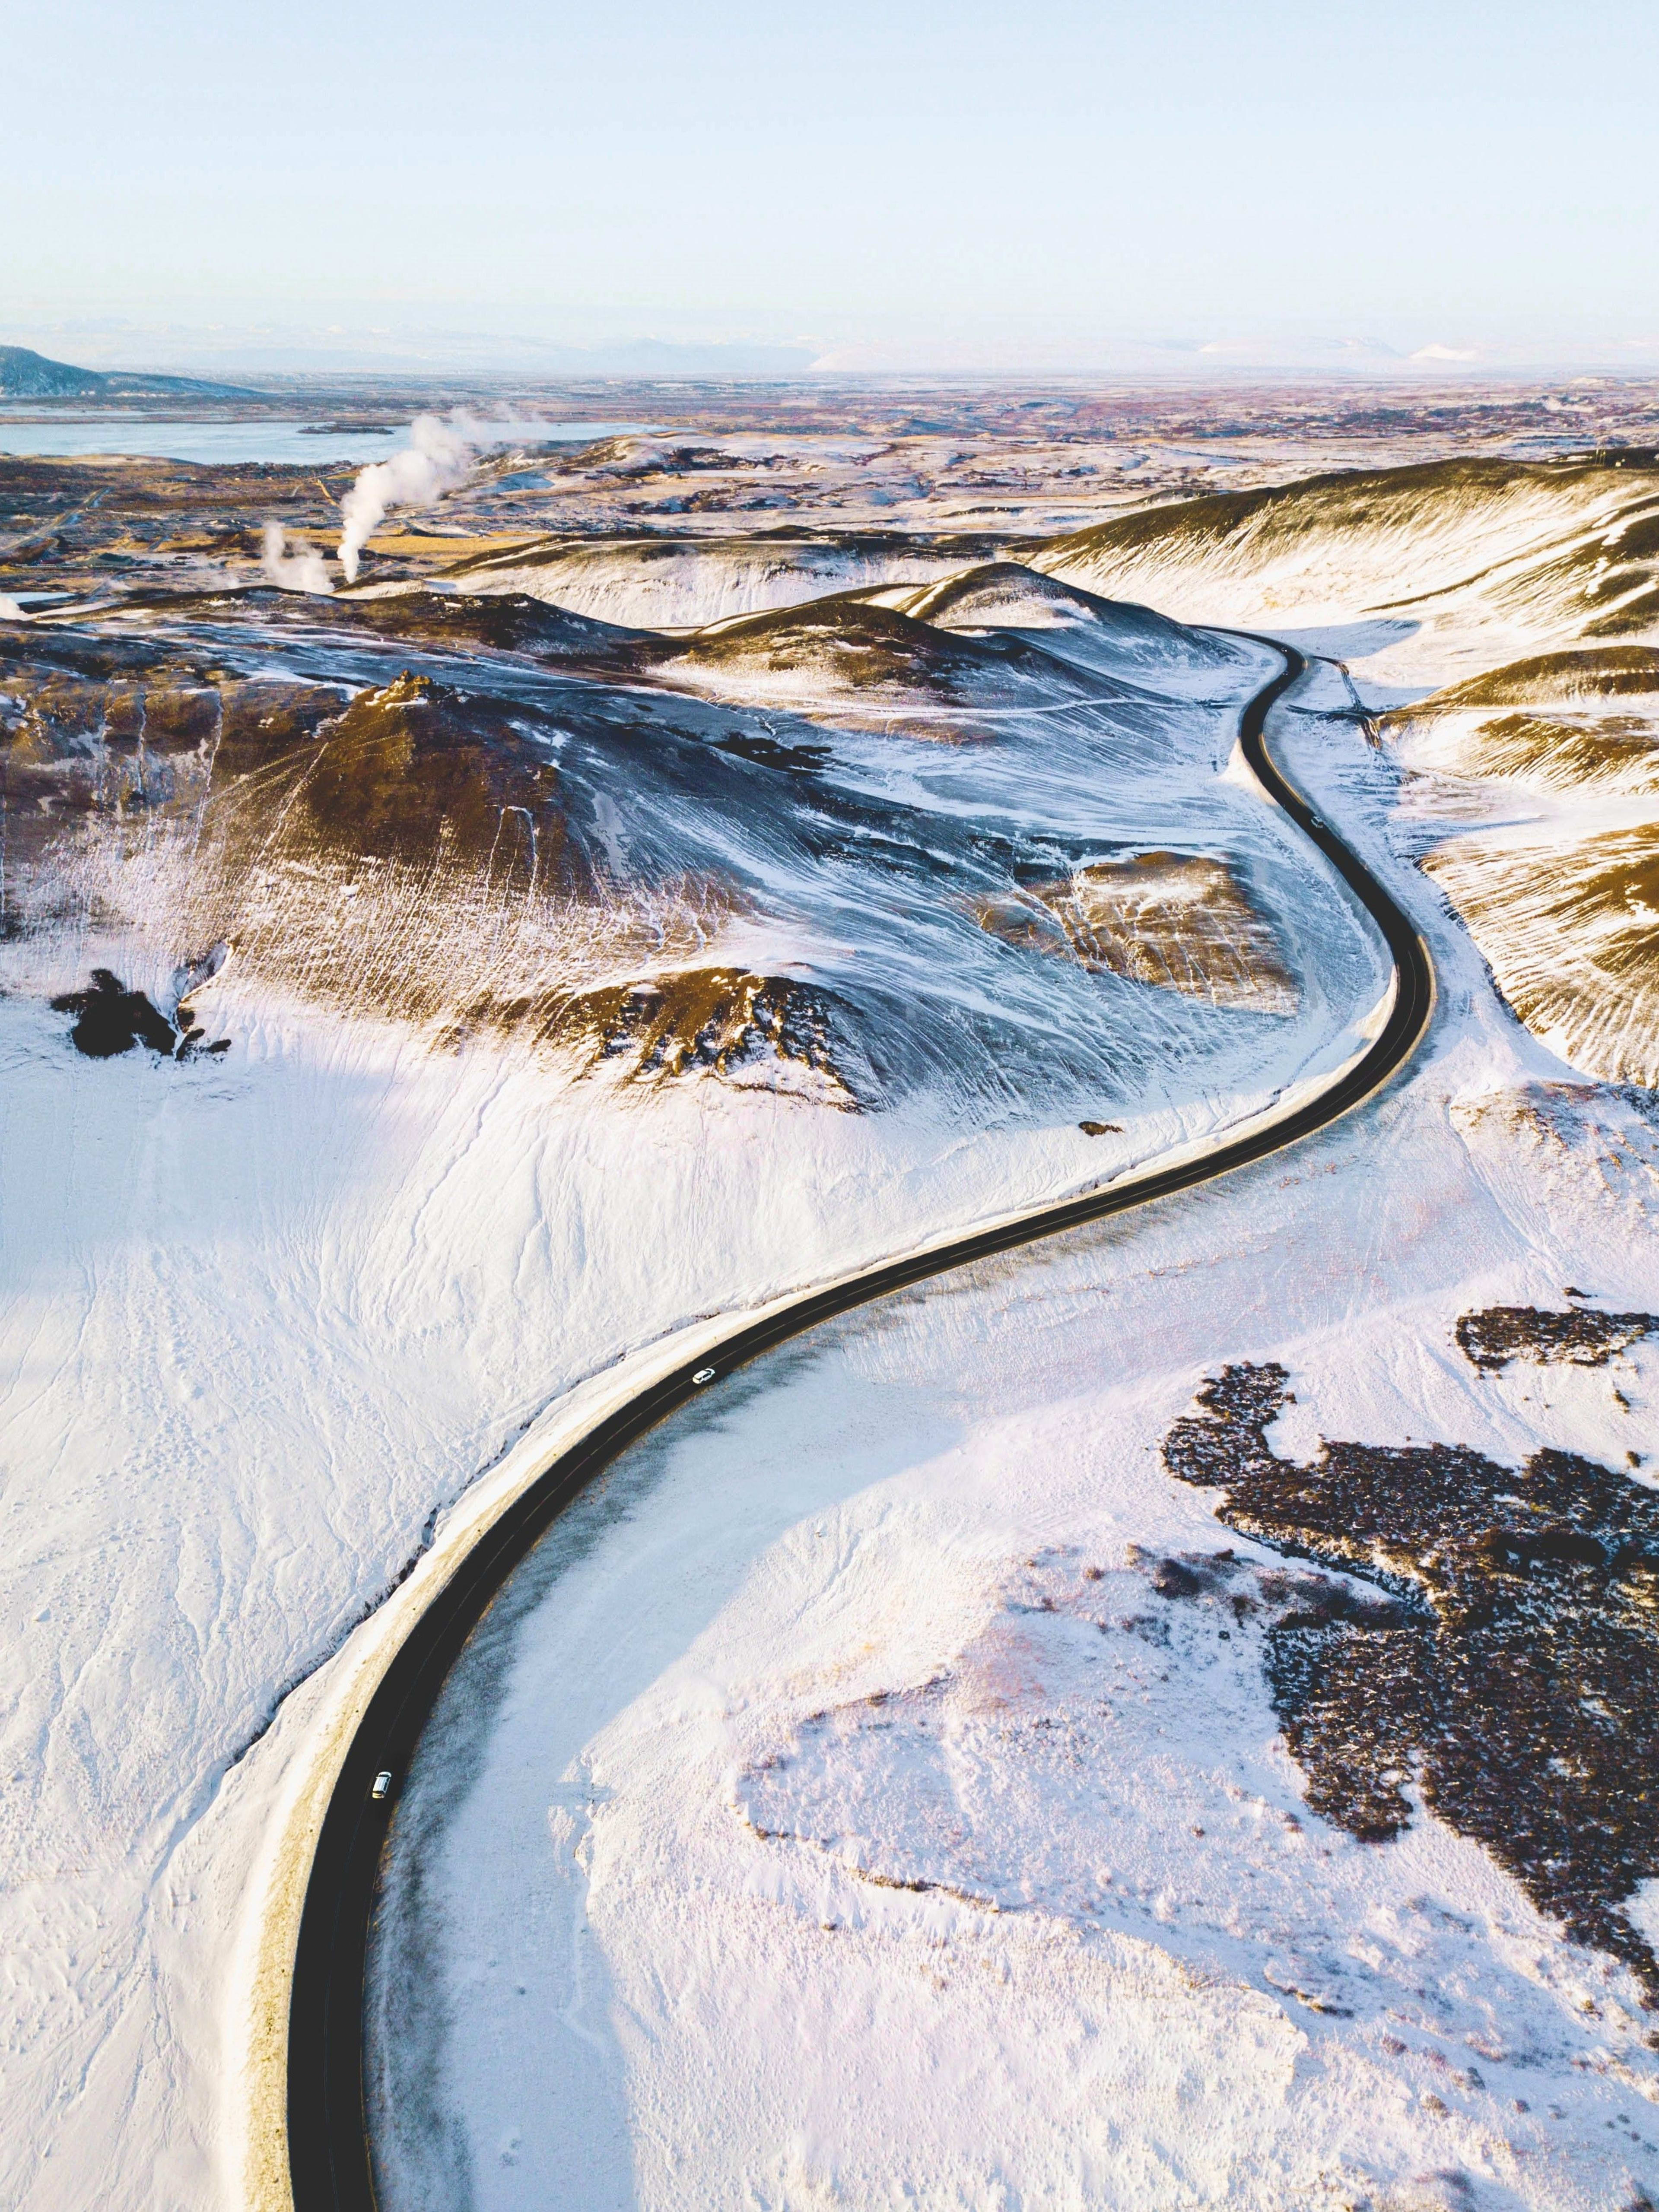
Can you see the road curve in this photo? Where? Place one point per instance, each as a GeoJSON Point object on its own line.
{"type": "Point", "coordinates": [328, 2154]}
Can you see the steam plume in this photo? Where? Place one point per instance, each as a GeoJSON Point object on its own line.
{"type": "Point", "coordinates": [433, 463]}
{"type": "Point", "coordinates": [296, 567]}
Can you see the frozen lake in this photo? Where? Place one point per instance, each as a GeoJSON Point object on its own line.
{"type": "Point", "coordinates": [71, 436]}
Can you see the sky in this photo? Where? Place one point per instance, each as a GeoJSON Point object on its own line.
{"type": "Point", "coordinates": [909, 187]}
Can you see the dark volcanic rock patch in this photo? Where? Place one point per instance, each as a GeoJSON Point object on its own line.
{"type": "Point", "coordinates": [765, 751]}
{"type": "Point", "coordinates": [1582, 1336]}
{"type": "Point", "coordinates": [109, 1019]}
{"type": "Point", "coordinates": [1516, 1678]}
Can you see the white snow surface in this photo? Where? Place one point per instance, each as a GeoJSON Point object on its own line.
{"type": "Point", "coordinates": [262, 1323]}
{"type": "Point", "coordinates": [267, 1317]}
{"type": "Point", "coordinates": [832, 1813]}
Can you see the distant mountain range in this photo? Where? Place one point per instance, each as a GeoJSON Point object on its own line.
{"type": "Point", "coordinates": [26, 375]}
{"type": "Point", "coordinates": [655, 357]}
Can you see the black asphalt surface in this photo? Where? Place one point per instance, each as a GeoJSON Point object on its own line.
{"type": "Point", "coordinates": [328, 2137]}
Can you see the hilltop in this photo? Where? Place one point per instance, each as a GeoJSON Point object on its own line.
{"type": "Point", "coordinates": [26, 375]}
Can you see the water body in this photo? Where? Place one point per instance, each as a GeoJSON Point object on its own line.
{"type": "Point", "coordinates": [71, 437]}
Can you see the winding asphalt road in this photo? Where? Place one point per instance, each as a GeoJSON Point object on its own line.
{"type": "Point", "coordinates": [327, 2132]}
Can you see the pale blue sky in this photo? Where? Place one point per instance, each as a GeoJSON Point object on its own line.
{"type": "Point", "coordinates": [918, 185]}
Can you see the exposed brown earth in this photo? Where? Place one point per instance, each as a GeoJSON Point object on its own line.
{"type": "Point", "coordinates": [1567, 913]}
{"type": "Point", "coordinates": [688, 1021]}
{"type": "Point", "coordinates": [1182, 922]}
{"type": "Point", "coordinates": [1571, 927]}
{"type": "Point", "coordinates": [1556, 679]}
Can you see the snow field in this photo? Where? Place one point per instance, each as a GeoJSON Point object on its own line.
{"type": "Point", "coordinates": [820, 1822]}
{"type": "Point", "coordinates": [814, 1822]}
